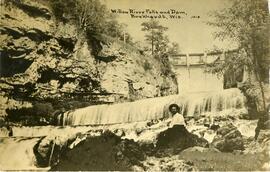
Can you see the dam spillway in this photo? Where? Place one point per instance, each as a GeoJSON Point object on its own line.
{"type": "Point", "coordinates": [192, 104]}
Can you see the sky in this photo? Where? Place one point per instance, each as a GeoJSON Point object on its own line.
{"type": "Point", "coordinates": [192, 34]}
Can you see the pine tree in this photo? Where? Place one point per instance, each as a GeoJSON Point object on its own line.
{"type": "Point", "coordinates": [155, 36]}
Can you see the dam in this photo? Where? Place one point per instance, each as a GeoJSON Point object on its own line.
{"type": "Point", "coordinates": [190, 70]}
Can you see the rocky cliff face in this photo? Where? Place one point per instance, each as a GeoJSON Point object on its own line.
{"type": "Point", "coordinates": [43, 60]}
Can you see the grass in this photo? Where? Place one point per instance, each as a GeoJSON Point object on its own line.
{"type": "Point", "coordinates": [219, 161]}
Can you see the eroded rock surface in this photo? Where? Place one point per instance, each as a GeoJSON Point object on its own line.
{"type": "Point", "coordinates": [228, 138]}
{"type": "Point", "coordinates": [105, 152]}
{"type": "Point", "coordinates": [47, 61]}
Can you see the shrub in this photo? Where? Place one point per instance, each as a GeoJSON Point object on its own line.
{"type": "Point", "coordinates": [147, 66]}
{"type": "Point", "coordinates": [43, 109]}
{"type": "Point", "coordinates": [32, 115]}
{"type": "Point", "coordinates": [89, 16]}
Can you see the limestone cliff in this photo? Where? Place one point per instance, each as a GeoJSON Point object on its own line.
{"type": "Point", "coordinates": [47, 61]}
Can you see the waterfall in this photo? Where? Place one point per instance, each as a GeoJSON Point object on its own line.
{"type": "Point", "coordinates": [53, 131]}
{"type": "Point", "coordinates": [17, 153]}
{"type": "Point", "coordinates": [193, 104]}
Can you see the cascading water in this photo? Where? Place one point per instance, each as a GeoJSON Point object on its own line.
{"type": "Point", "coordinates": [203, 103]}
{"type": "Point", "coordinates": [17, 153]}
{"type": "Point", "coordinates": [130, 118]}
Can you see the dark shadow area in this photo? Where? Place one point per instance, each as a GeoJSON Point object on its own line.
{"type": "Point", "coordinates": [10, 66]}
{"type": "Point", "coordinates": [102, 153]}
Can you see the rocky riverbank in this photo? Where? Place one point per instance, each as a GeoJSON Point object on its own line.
{"type": "Point", "coordinates": [140, 146]}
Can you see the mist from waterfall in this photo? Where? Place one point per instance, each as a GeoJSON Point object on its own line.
{"type": "Point", "coordinates": [193, 104]}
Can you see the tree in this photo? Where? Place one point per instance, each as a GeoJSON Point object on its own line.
{"type": "Point", "coordinates": [155, 36]}
{"type": "Point", "coordinates": [174, 48]}
{"type": "Point", "coordinates": [90, 16]}
{"type": "Point", "coordinates": [247, 23]}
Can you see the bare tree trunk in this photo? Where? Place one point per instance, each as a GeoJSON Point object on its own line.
{"type": "Point", "coordinates": [254, 69]}
{"type": "Point", "coordinates": [259, 79]}
{"type": "Point", "coordinates": [257, 68]}
{"type": "Point", "coordinates": [152, 42]}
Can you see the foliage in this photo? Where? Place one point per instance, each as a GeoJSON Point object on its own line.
{"type": "Point", "coordinates": [90, 16]}
{"type": "Point", "coordinates": [32, 115]}
{"type": "Point", "coordinates": [155, 36]}
{"type": "Point", "coordinates": [147, 66]}
{"type": "Point", "coordinates": [165, 65]}
{"type": "Point", "coordinates": [42, 109]}
{"type": "Point", "coordinates": [72, 105]}
{"type": "Point", "coordinates": [247, 23]}
{"type": "Point", "coordinates": [174, 49]}
{"type": "Point", "coordinates": [233, 63]}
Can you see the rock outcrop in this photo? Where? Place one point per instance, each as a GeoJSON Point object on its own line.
{"type": "Point", "coordinates": [49, 149]}
{"type": "Point", "coordinates": [45, 60]}
{"type": "Point", "coordinates": [228, 139]}
{"type": "Point", "coordinates": [178, 139]}
{"type": "Point", "coordinates": [105, 152]}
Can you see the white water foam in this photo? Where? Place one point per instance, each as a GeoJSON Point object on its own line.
{"type": "Point", "coordinates": [17, 154]}
{"type": "Point", "coordinates": [131, 118]}
{"type": "Point", "coordinates": [203, 103]}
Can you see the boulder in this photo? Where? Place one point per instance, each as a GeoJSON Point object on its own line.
{"type": "Point", "coordinates": [178, 138]}
{"type": "Point", "coordinates": [49, 149]}
{"type": "Point", "coordinates": [130, 151]}
{"type": "Point", "coordinates": [148, 148]}
{"type": "Point", "coordinates": [42, 151]}
{"type": "Point", "coordinates": [102, 153]}
{"type": "Point", "coordinates": [228, 138]}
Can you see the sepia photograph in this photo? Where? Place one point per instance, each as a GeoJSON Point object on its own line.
{"type": "Point", "coordinates": [124, 85]}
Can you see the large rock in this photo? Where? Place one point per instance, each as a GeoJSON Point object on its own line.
{"type": "Point", "coordinates": [49, 149]}
{"type": "Point", "coordinates": [42, 151]}
{"type": "Point", "coordinates": [178, 138]}
{"type": "Point", "coordinates": [228, 138]}
{"type": "Point", "coordinates": [105, 152]}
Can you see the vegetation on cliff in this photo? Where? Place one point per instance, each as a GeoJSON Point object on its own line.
{"type": "Point", "coordinates": [90, 16]}
{"type": "Point", "coordinates": [159, 43]}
